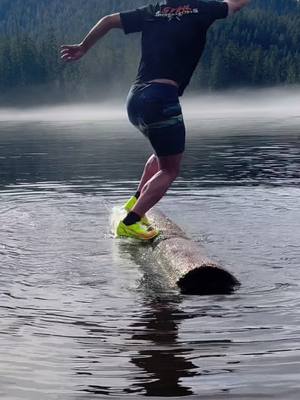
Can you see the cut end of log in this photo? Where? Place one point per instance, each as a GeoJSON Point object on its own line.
{"type": "Point", "coordinates": [208, 280]}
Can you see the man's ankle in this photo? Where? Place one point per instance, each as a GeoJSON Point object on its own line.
{"type": "Point", "coordinates": [131, 218]}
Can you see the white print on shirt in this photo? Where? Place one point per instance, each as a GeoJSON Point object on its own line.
{"type": "Point", "coordinates": [178, 12]}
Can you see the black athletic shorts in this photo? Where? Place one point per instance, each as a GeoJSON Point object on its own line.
{"type": "Point", "coordinates": [155, 110]}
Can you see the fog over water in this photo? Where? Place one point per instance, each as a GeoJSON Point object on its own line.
{"type": "Point", "coordinates": [273, 104]}
{"type": "Point", "coordinates": [85, 316]}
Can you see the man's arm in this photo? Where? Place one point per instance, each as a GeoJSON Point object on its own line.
{"type": "Point", "coordinates": [76, 51]}
{"type": "Point", "coordinates": [236, 5]}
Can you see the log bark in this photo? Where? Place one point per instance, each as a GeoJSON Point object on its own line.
{"type": "Point", "coordinates": [187, 262]}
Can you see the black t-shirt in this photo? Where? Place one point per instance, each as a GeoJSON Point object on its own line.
{"type": "Point", "coordinates": [173, 37]}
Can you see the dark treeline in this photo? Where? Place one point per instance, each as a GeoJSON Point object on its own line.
{"type": "Point", "coordinates": [257, 47]}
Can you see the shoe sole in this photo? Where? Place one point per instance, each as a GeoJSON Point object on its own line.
{"type": "Point", "coordinates": [122, 233]}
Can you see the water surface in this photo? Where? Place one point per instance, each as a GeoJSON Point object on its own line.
{"type": "Point", "coordinates": [82, 316]}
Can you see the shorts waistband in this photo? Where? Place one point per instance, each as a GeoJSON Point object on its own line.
{"type": "Point", "coordinates": [170, 87]}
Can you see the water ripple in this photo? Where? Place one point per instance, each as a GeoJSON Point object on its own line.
{"type": "Point", "coordinates": [83, 317]}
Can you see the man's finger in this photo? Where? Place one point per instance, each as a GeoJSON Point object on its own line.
{"type": "Point", "coordinates": [68, 46]}
{"type": "Point", "coordinates": [65, 56]}
{"type": "Point", "coordinates": [67, 59]}
{"type": "Point", "coordinates": [64, 51]}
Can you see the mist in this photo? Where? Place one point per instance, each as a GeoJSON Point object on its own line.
{"type": "Point", "coordinates": [228, 107]}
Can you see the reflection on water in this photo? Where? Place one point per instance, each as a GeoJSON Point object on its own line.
{"type": "Point", "coordinates": [162, 358]}
{"type": "Point", "coordinates": [155, 333]}
{"type": "Point", "coordinates": [84, 316]}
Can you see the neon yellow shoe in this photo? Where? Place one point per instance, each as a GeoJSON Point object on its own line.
{"type": "Point", "coordinates": [136, 231]}
{"type": "Point", "coordinates": [130, 203]}
{"type": "Point", "coordinates": [129, 206]}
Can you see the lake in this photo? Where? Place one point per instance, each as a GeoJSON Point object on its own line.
{"type": "Point", "coordinates": [81, 317]}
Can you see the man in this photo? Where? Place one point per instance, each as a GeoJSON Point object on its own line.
{"type": "Point", "coordinates": [173, 39]}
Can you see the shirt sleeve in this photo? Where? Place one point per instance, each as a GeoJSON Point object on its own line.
{"type": "Point", "coordinates": [217, 9]}
{"type": "Point", "coordinates": [132, 21]}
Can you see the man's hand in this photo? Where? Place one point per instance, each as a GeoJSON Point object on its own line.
{"type": "Point", "coordinates": [72, 52]}
{"type": "Point", "coordinates": [76, 51]}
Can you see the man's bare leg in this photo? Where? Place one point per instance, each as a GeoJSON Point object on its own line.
{"type": "Point", "coordinates": [156, 187]}
{"type": "Point", "coordinates": [151, 168]}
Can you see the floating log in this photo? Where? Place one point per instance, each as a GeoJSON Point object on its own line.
{"type": "Point", "coordinates": [186, 261]}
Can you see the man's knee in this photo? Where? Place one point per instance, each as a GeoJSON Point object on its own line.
{"type": "Point", "coordinates": [171, 165]}
{"type": "Point", "coordinates": [152, 161]}
{"type": "Point", "coordinates": [172, 172]}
